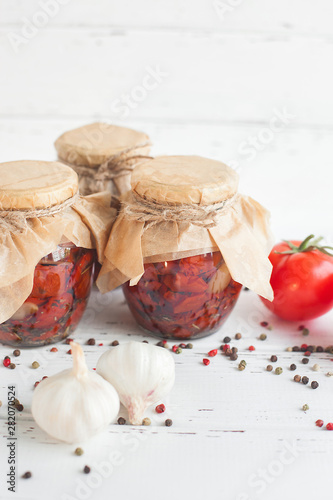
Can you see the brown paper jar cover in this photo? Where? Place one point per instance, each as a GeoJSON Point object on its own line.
{"type": "Point", "coordinates": [197, 209]}
{"type": "Point", "coordinates": [87, 148]}
{"type": "Point", "coordinates": [39, 208]}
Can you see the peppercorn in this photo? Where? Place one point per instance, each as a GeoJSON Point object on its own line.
{"type": "Point", "coordinates": [91, 342]}
{"type": "Point", "coordinates": [213, 353]}
{"type": "Point", "coordinates": [263, 336]}
{"type": "Point", "coordinates": [160, 408]}
{"type": "Point", "coordinates": [228, 353]}
{"type": "Point", "coordinates": [115, 343]}
{"type": "Point", "coordinates": [306, 407]}
{"type": "Point", "coordinates": [238, 336]}
{"type": "Point", "coordinates": [145, 342]}
{"type": "Point", "coordinates": [19, 407]}
{"type": "Point", "coordinates": [183, 346]}
{"type": "Point", "coordinates": [54, 349]}
{"type": "Point", "coordinates": [174, 348]}
{"type": "Point", "coordinates": [289, 349]}
{"type": "Point", "coordinates": [234, 349]}
{"type": "Point", "coordinates": [69, 351]}
{"type": "Point", "coordinates": [146, 421]}
{"type": "Point", "coordinates": [305, 361]}
{"type": "Point", "coordinates": [12, 366]}
{"type": "Point", "coordinates": [189, 346]}
{"type": "Point", "coordinates": [264, 323]}
{"type": "Point", "coordinates": [68, 341]}
{"type": "Point", "coordinates": [307, 353]}
{"type": "Point", "coordinates": [297, 378]}
{"type": "Point", "coordinates": [17, 352]}
{"type": "Point", "coordinates": [243, 362]}
{"type": "Point", "coordinates": [274, 358]}
{"type": "Point", "coordinates": [168, 422]}
{"type": "Point", "coordinates": [316, 367]}
{"type": "Point", "coordinates": [225, 347]}
{"type": "Point", "coordinates": [278, 370]}
{"type": "Point", "coordinates": [305, 380]}
{"type": "Point", "coordinates": [312, 348]}
{"type": "Point", "coordinates": [78, 452]}
{"type": "Point", "coordinates": [314, 384]}
{"type": "Point", "coordinates": [241, 367]}
{"type": "Point", "coordinates": [121, 421]}
{"type": "Point", "coordinates": [295, 348]}
{"type": "Point", "coordinates": [233, 356]}
{"type": "Point", "coordinates": [226, 340]}
{"type": "Point", "coordinates": [6, 362]}
{"type": "Point", "coordinates": [269, 368]}
{"type": "Point", "coordinates": [304, 347]}
{"type": "Point", "coordinates": [206, 361]}
{"type": "Point", "coordinates": [27, 475]}
{"type": "Point", "coordinates": [320, 348]}
{"type": "Point", "coordinates": [319, 423]}
{"type": "Point", "coordinates": [252, 348]}
{"type": "Point", "coordinates": [293, 367]}
{"type": "Point", "coordinates": [35, 365]}
{"type": "Point", "coordinates": [329, 374]}
{"type": "Point", "coordinates": [179, 350]}
{"type": "Point", "coordinates": [36, 383]}
{"type": "Point", "coordinates": [160, 343]}
{"type": "Point", "coordinates": [329, 426]}
{"type": "Point", "coordinates": [86, 469]}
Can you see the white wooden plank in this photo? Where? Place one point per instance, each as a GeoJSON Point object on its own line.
{"type": "Point", "coordinates": [224, 78]}
{"type": "Point", "coordinates": [282, 17]}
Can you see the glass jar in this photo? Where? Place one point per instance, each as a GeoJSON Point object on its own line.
{"type": "Point", "coordinates": [183, 299]}
{"type": "Point", "coordinates": [62, 285]}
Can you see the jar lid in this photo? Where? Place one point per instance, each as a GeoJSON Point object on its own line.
{"type": "Point", "coordinates": [184, 179]}
{"type": "Point", "coordinates": [94, 143]}
{"type": "Point", "coordinates": [31, 184]}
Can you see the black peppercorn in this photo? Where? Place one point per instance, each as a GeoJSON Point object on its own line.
{"type": "Point", "coordinates": [293, 367]}
{"type": "Point", "coordinates": [114, 343]}
{"type": "Point", "coordinates": [305, 361]}
{"type": "Point", "coordinates": [121, 421]}
{"type": "Point", "coordinates": [168, 422]}
{"type": "Point", "coordinates": [91, 342]}
{"type": "Point", "coordinates": [27, 475]}
{"type": "Point", "coordinates": [17, 352]}
{"type": "Point", "coordinates": [314, 384]}
{"type": "Point", "coordinates": [273, 358]}
{"type": "Point", "coordinates": [226, 340]}
{"type": "Point", "coordinates": [305, 380]}
{"type": "Point", "coordinates": [86, 469]}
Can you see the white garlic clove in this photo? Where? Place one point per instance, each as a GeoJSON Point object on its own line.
{"type": "Point", "coordinates": [75, 404]}
{"type": "Point", "coordinates": [141, 373]}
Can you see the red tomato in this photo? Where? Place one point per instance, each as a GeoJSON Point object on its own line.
{"type": "Point", "coordinates": [302, 282]}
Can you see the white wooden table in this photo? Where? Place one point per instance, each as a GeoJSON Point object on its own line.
{"type": "Point", "coordinates": [236, 435]}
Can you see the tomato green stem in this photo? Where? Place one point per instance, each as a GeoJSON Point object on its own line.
{"type": "Point", "coordinates": [308, 245]}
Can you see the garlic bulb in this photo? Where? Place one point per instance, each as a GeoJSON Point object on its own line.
{"type": "Point", "coordinates": [74, 404]}
{"type": "Point", "coordinates": [141, 373]}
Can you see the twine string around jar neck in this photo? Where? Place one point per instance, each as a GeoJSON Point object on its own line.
{"type": "Point", "coordinates": [152, 213]}
{"type": "Point", "coordinates": [115, 166]}
{"type": "Point", "coordinates": [16, 220]}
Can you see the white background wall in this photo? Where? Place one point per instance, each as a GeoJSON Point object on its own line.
{"type": "Point", "coordinates": [229, 67]}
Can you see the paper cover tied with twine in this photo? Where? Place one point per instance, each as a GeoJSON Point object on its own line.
{"type": "Point", "coordinates": [40, 207]}
{"type": "Point", "coordinates": [103, 156]}
{"type": "Point", "coordinates": [182, 206]}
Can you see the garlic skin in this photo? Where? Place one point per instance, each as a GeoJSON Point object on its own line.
{"type": "Point", "coordinates": [75, 404]}
{"type": "Point", "coordinates": [141, 373]}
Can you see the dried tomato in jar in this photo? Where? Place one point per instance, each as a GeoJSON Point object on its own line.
{"type": "Point", "coordinates": [46, 279]}
{"type": "Point", "coordinates": [183, 245]}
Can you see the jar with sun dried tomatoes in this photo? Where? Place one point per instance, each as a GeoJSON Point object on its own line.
{"type": "Point", "coordinates": [183, 245]}
{"type": "Point", "coordinates": [47, 252]}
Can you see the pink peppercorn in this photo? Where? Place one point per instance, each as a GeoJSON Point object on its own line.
{"type": "Point", "coordinates": [252, 348]}
{"type": "Point", "coordinates": [54, 349]}
{"type": "Point", "coordinates": [206, 361]}
{"type": "Point", "coordinates": [319, 423]}
{"type": "Point", "coordinates": [304, 346]}
{"type": "Point", "coordinates": [212, 353]}
{"type": "Point", "coordinates": [183, 346]}
{"type": "Point", "coordinates": [100, 344]}
{"type": "Point", "coordinates": [226, 347]}
{"type": "Point", "coordinates": [174, 348]}
{"type": "Point", "coordinates": [329, 426]}
{"type": "Point", "coordinates": [160, 408]}
{"type": "Point", "coordinates": [264, 323]}
{"type": "Point", "coordinates": [307, 353]}
{"type": "Point", "coordinates": [6, 361]}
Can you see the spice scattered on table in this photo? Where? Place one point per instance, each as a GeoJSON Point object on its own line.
{"type": "Point", "coordinates": [314, 384]}
{"type": "Point", "coordinates": [68, 341]}
{"type": "Point", "coordinates": [274, 358]}
{"type": "Point", "coordinates": [297, 378]}
{"type": "Point", "coordinates": [27, 475]}
{"type": "Point", "coordinates": [6, 362]}
{"type": "Point", "coordinates": [329, 374]}
{"type": "Point", "coordinates": [305, 361]}
{"type": "Point", "coordinates": [91, 342]}
{"type": "Point", "coordinates": [35, 365]}
{"type": "Point", "coordinates": [289, 349]}
{"type": "Point", "coordinates": [293, 367]}
{"type": "Point", "coordinates": [305, 380]}
{"type": "Point", "coordinates": [17, 352]}
{"type": "Point", "coordinates": [160, 408]}
{"type": "Point", "coordinates": [305, 331]}
{"type": "Point", "coordinates": [146, 421]}
{"type": "Point", "coordinates": [189, 346]}
{"type": "Point", "coordinates": [69, 352]}
{"type": "Point", "coordinates": [226, 340]}
{"type": "Point", "coordinates": [252, 348]}
{"type": "Point", "coordinates": [206, 361]}
{"type": "Point", "coordinates": [12, 366]}
{"type": "Point", "coordinates": [329, 426]}
{"type": "Point", "coordinates": [319, 423]}
{"type": "Point", "coordinates": [121, 421]}
{"type": "Point", "coordinates": [269, 368]}
{"type": "Point", "coordinates": [238, 336]}
{"type": "Point", "coordinates": [79, 452]}
{"type": "Point", "coordinates": [264, 324]}
{"type": "Point", "coordinates": [179, 350]}
{"type": "Point", "coordinates": [115, 343]}
{"type": "Point", "coordinates": [263, 336]}
{"type": "Point", "coordinates": [306, 407]}
{"type": "Point", "coordinates": [316, 367]}
{"type": "Point", "coordinates": [212, 353]}
{"type": "Point", "coordinates": [86, 469]}
{"type": "Point", "coordinates": [168, 422]}
{"type": "Point", "coordinates": [242, 365]}
{"type": "Point", "coordinates": [278, 370]}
